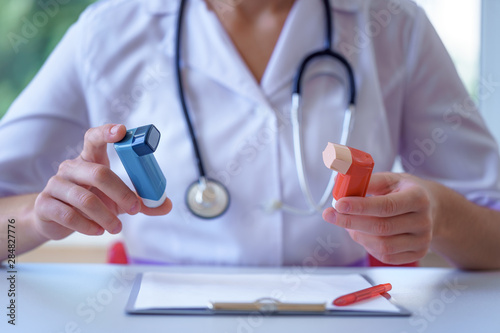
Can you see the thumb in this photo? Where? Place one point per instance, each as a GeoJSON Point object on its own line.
{"type": "Point", "coordinates": [96, 140]}
{"type": "Point", "coordinates": [383, 183]}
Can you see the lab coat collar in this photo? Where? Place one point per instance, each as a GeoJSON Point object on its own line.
{"type": "Point", "coordinates": [208, 49]}
{"type": "Point", "coordinates": [298, 40]}
{"type": "Point", "coordinates": [347, 5]}
{"type": "Point", "coordinates": [222, 62]}
{"type": "Point", "coordinates": [294, 43]}
{"type": "Point", "coordinates": [159, 7]}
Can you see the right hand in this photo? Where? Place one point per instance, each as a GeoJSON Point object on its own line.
{"type": "Point", "coordinates": [85, 195]}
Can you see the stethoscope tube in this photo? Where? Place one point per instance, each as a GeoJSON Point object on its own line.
{"type": "Point", "coordinates": [297, 82]}
{"type": "Point", "coordinates": [326, 52]}
{"type": "Point", "coordinates": [214, 192]}
{"type": "Point", "coordinates": [296, 115]}
{"type": "Point", "coordinates": [205, 198]}
{"type": "Point", "coordinates": [182, 95]}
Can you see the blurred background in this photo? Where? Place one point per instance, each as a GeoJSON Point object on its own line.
{"type": "Point", "coordinates": [30, 29]}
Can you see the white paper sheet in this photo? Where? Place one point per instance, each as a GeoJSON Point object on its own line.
{"type": "Point", "coordinates": [197, 291]}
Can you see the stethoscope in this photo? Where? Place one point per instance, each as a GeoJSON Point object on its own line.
{"type": "Point", "coordinates": [208, 198]}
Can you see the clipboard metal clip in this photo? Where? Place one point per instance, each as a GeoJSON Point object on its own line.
{"type": "Point", "coordinates": [268, 305]}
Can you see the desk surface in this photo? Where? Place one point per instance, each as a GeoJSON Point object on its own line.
{"type": "Point", "coordinates": [91, 298]}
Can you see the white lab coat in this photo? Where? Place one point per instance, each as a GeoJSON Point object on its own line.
{"type": "Point", "coordinates": [116, 65]}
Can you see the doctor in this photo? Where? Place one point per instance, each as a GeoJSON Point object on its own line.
{"type": "Point", "coordinates": [115, 69]}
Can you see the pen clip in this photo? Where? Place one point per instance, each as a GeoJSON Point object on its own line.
{"type": "Point", "coordinates": [268, 305]}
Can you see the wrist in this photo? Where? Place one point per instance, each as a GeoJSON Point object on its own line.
{"type": "Point", "coordinates": [450, 210]}
{"type": "Point", "coordinates": [27, 218]}
{"type": "Point", "coordinates": [441, 200]}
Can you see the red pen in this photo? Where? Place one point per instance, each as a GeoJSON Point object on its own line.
{"type": "Point", "coordinates": [362, 294]}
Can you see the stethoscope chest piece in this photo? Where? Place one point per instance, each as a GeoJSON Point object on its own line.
{"type": "Point", "coordinates": [207, 198]}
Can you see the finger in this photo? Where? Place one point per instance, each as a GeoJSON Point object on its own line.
{"type": "Point", "coordinates": [104, 179]}
{"type": "Point", "coordinates": [383, 183]}
{"type": "Point", "coordinates": [400, 258]}
{"type": "Point", "coordinates": [164, 209]}
{"type": "Point", "coordinates": [381, 226]}
{"type": "Point", "coordinates": [58, 220]}
{"type": "Point", "coordinates": [395, 203]}
{"type": "Point", "coordinates": [112, 206]}
{"type": "Point", "coordinates": [96, 140]}
{"type": "Point", "coordinates": [381, 246]}
{"type": "Point", "coordinates": [329, 215]}
{"type": "Point", "coordinates": [85, 201]}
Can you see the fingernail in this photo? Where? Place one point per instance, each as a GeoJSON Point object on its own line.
{"type": "Point", "coordinates": [342, 207]}
{"type": "Point", "coordinates": [135, 208]}
{"type": "Point", "coordinates": [114, 129]}
{"type": "Point", "coordinates": [117, 229]}
{"type": "Point", "coordinates": [330, 217]}
{"type": "Point", "coordinates": [99, 231]}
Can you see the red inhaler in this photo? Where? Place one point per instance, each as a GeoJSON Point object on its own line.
{"type": "Point", "coordinates": [354, 169]}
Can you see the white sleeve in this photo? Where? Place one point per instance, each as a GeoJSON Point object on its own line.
{"type": "Point", "coordinates": [443, 137]}
{"type": "Point", "coordinates": [46, 123]}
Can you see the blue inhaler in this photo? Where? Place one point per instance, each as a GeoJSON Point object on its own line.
{"type": "Point", "coordinates": [136, 153]}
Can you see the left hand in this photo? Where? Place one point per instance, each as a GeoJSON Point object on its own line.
{"type": "Point", "coordinates": [395, 224]}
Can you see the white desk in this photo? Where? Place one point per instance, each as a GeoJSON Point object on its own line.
{"type": "Point", "coordinates": [91, 298]}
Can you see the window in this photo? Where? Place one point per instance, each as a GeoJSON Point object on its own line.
{"type": "Point", "coordinates": [469, 29]}
{"type": "Point", "coordinates": [458, 25]}
{"type": "Point", "coordinates": [490, 65]}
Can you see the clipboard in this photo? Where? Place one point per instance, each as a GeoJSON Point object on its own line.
{"type": "Point", "coordinates": [262, 305]}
